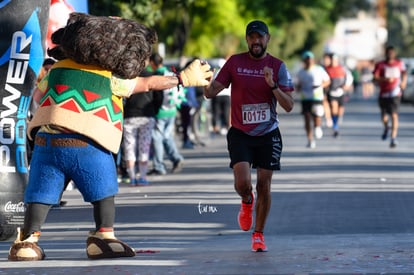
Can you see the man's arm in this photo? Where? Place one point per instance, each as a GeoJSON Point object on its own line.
{"type": "Point", "coordinates": [377, 75]}
{"type": "Point", "coordinates": [349, 79]}
{"type": "Point", "coordinates": [326, 83]}
{"type": "Point", "coordinates": [213, 89]}
{"type": "Point", "coordinates": [403, 83]}
{"type": "Point", "coordinates": [285, 99]}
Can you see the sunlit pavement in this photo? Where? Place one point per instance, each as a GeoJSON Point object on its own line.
{"type": "Point", "coordinates": [346, 206]}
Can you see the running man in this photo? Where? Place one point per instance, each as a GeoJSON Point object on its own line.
{"type": "Point", "coordinates": [391, 76]}
{"type": "Point", "coordinates": [258, 82]}
{"type": "Point", "coordinates": [311, 81]}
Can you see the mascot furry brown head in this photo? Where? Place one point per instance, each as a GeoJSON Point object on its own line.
{"type": "Point", "coordinates": [88, 44]}
{"type": "Point", "coordinates": [115, 44]}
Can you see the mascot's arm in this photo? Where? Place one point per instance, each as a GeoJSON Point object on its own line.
{"type": "Point", "coordinates": [37, 95]}
{"type": "Point", "coordinates": [40, 89]}
{"type": "Point", "coordinates": [154, 82]}
{"type": "Point", "coordinates": [196, 74]}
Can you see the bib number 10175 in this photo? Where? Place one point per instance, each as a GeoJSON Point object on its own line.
{"type": "Point", "coordinates": [255, 113]}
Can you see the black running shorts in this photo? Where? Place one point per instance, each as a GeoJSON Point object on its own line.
{"type": "Point", "coordinates": [260, 151]}
{"type": "Point", "coordinates": [389, 105]}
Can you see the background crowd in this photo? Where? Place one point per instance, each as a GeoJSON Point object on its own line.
{"type": "Point", "coordinates": [160, 124]}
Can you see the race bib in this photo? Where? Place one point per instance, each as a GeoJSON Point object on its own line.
{"type": "Point", "coordinates": [255, 113]}
{"type": "Point", "coordinates": [392, 72]}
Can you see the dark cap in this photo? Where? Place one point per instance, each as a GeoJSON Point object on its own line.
{"type": "Point", "coordinates": [307, 54]}
{"type": "Point", "coordinates": [257, 26]}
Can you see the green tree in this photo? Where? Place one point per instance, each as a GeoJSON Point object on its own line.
{"type": "Point", "coordinates": [145, 11]}
{"type": "Point", "coordinates": [209, 28]}
{"type": "Point", "coordinates": [213, 31]}
{"type": "Point", "coordinates": [400, 26]}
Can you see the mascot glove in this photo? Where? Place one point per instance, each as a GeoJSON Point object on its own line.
{"type": "Point", "coordinates": [196, 74]}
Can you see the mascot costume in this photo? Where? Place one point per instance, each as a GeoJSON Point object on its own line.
{"type": "Point", "coordinates": [80, 122]}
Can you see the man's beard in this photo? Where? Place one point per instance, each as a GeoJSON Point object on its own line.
{"type": "Point", "coordinates": [257, 54]}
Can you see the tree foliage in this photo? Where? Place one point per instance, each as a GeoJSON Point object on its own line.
{"type": "Point", "coordinates": [401, 26]}
{"type": "Point", "coordinates": [211, 28]}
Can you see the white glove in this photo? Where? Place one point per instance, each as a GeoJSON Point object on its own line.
{"type": "Point", "coordinates": [196, 74]}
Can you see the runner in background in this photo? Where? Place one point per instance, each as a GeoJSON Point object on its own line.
{"type": "Point", "coordinates": [341, 82]}
{"type": "Point", "coordinates": [391, 77]}
{"type": "Point", "coordinates": [312, 79]}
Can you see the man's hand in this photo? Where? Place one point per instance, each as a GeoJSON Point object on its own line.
{"type": "Point", "coordinates": [268, 74]}
{"type": "Point", "coordinates": [196, 74]}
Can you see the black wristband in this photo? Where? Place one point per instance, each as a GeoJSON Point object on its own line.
{"type": "Point", "coordinates": [178, 76]}
{"type": "Point", "coordinates": [275, 86]}
{"type": "Point", "coordinates": [180, 81]}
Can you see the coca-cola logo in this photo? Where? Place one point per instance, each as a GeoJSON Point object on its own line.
{"type": "Point", "coordinates": [14, 207]}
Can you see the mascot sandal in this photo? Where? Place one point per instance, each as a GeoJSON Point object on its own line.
{"type": "Point", "coordinates": [26, 250]}
{"type": "Point", "coordinates": [99, 245]}
{"type": "Point", "coordinates": [104, 245]}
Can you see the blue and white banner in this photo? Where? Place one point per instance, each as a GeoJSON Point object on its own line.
{"type": "Point", "coordinates": [22, 51]}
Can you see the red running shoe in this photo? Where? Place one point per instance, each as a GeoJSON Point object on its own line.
{"type": "Point", "coordinates": [258, 244]}
{"type": "Point", "coordinates": [245, 216]}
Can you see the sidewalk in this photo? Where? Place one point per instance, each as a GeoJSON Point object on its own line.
{"type": "Point", "coordinates": [345, 207]}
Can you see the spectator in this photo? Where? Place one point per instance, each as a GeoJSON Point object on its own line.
{"type": "Point", "coordinates": [366, 79]}
{"type": "Point", "coordinates": [139, 120]}
{"type": "Point", "coordinates": [220, 110]}
{"type": "Point", "coordinates": [163, 134]}
{"type": "Point", "coordinates": [187, 108]}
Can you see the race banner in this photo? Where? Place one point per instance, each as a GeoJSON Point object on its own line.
{"type": "Point", "coordinates": [23, 27]}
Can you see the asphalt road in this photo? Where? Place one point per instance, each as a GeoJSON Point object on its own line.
{"type": "Point", "coordinates": [346, 207]}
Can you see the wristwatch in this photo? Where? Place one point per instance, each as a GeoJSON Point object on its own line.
{"type": "Point", "coordinates": [275, 86]}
